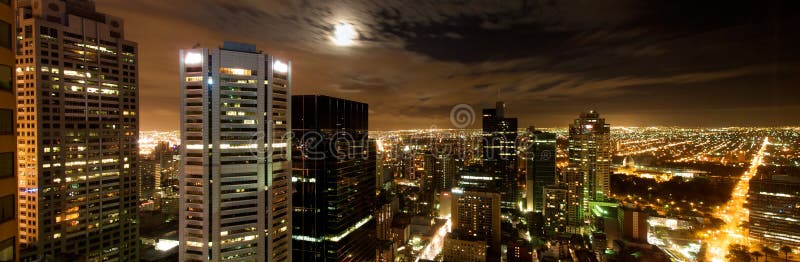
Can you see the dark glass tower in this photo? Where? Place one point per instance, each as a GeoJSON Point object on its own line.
{"type": "Point", "coordinates": [441, 169]}
{"type": "Point", "coordinates": [500, 152]}
{"type": "Point", "coordinates": [334, 180]}
{"type": "Point", "coordinates": [541, 167]}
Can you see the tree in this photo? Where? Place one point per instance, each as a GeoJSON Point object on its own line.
{"type": "Point", "coordinates": [701, 253]}
{"type": "Point", "coordinates": [769, 252]}
{"type": "Point", "coordinates": [786, 250]}
{"type": "Point", "coordinates": [756, 255]}
{"type": "Point", "coordinates": [738, 253]}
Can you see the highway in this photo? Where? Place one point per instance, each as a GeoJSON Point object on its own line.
{"type": "Point", "coordinates": [733, 213]}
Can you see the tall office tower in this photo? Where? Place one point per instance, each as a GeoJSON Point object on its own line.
{"type": "Point", "coordinates": [541, 167]}
{"type": "Point", "coordinates": [500, 152]}
{"type": "Point", "coordinates": [168, 157]}
{"type": "Point", "coordinates": [8, 176]}
{"type": "Point", "coordinates": [774, 204]}
{"type": "Point", "coordinates": [235, 184]}
{"type": "Point", "coordinates": [78, 131]}
{"type": "Point", "coordinates": [441, 170]}
{"type": "Point", "coordinates": [589, 166]}
{"type": "Point", "coordinates": [334, 180]}
{"type": "Point", "coordinates": [383, 217]}
{"type": "Point", "coordinates": [555, 209]}
{"type": "Point", "coordinates": [148, 170]}
{"type": "Point", "coordinates": [477, 214]}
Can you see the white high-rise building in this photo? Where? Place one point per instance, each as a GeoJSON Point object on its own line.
{"type": "Point", "coordinates": [236, 171]}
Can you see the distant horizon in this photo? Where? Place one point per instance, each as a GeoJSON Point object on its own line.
{"type": "Point", "coordinates": [524, 128]}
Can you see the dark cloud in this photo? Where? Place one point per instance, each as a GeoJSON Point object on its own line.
{"type": "Point", "coordinates": [481, 86]}
{"type": "Point", "coordinates": [644, 62]}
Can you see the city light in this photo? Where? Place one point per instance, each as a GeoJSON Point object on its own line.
{"type": "Point", "coordinates": [166, 244]}
{"type": "Point", "coordinates": [280, 66]}
{"type": "Point", "coordinates": [732, 212]}
{"type": "Point", "coordinates": [402, 131]}
{"type": "Point", "coordinates": [193, 58]}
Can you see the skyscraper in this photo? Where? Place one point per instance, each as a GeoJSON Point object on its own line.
{"type": "Point", "coordinates": [235, 183]}
{"type": "Point", "coordinates": [589, 167]}
{"type": "Point", "coordinates": [147, 177]}
{"type": "Point", "coordinates": [440, 169]}
{"type": "Point", "coordinates": [540, 166]}
{"type": "Point", "coordinates": [78, 128]}
{"type": "Point", "coordinates": [8, 176]}
{"type": "Point", "coordinates": [500, 152]}
{"type": "Point", "coordinates": [334, 179]}
{"type": "Point", "coordinates": [554, 209]}
{"type": "Point", "coordinates": [477, 214]}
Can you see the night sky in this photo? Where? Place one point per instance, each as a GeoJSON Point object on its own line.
{"type": "Point", "coordinates": [638, 63]}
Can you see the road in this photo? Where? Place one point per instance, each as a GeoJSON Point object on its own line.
{"type": "Point", "coordinates": [733, 213]}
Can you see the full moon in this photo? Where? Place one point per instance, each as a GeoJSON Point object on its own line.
{"type": "Point", "coordinates": [344, 34]}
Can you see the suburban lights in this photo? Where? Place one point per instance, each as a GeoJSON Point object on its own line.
{"type": "Point", "coordinates": [280, 67]}
{"type": "Point", "coordinates": [193, 59]}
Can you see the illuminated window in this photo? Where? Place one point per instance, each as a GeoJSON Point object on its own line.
{"type": "Point", "coordinates": [236, 71]}
{"type": "Point", "coordinates": [194, 78]}
{"type": "Point", "coordinates": [193, 58]}
{"type": "Point", "coordinates": [280, 66]}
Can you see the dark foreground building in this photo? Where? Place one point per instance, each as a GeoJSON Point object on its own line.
{"type": "Point", "coordinates": [774, 204]}
{"type": "Point", "coordinates": [500, 152]}
{"type": "Point", "coordinates": [334, 180]}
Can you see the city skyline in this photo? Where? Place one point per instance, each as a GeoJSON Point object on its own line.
{"type": "Point", "coordinates": [685, 65]}
{"type": "Point", "coordinates": [474, 130]}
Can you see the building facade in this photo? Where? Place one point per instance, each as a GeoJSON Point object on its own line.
{"type": "Point", "coordinates": [78, 129]}
{"type": "Point", "coordinates": [148, 172]}
{"type": "Point", "coordinates": [540, 167]}
{"type": "Point", "coordinates": [774, 204]}
{"type": "Point", "coordinates": [462, 247]}
{"type": "Point", "coordinates": [440, 171]}
{"type": "Point", "coordinates": [334, 179]}
{"type": "Point", "coordinates": [235, 184]}
{"type": "Point", "coordinates": [589, 167]}
{"type": "Point", "coordinates": [500, 152]}
{"type": "Point", "coordinates": [633, 224]}
{"type": "Point", "coordinates": [8, 141]}
{"type": "Point", "coordinates": [519, 250]}
{"type": "Point", "coordinates": [554, 210]}
{"type": "Point", "coordinates": [477, 214]}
